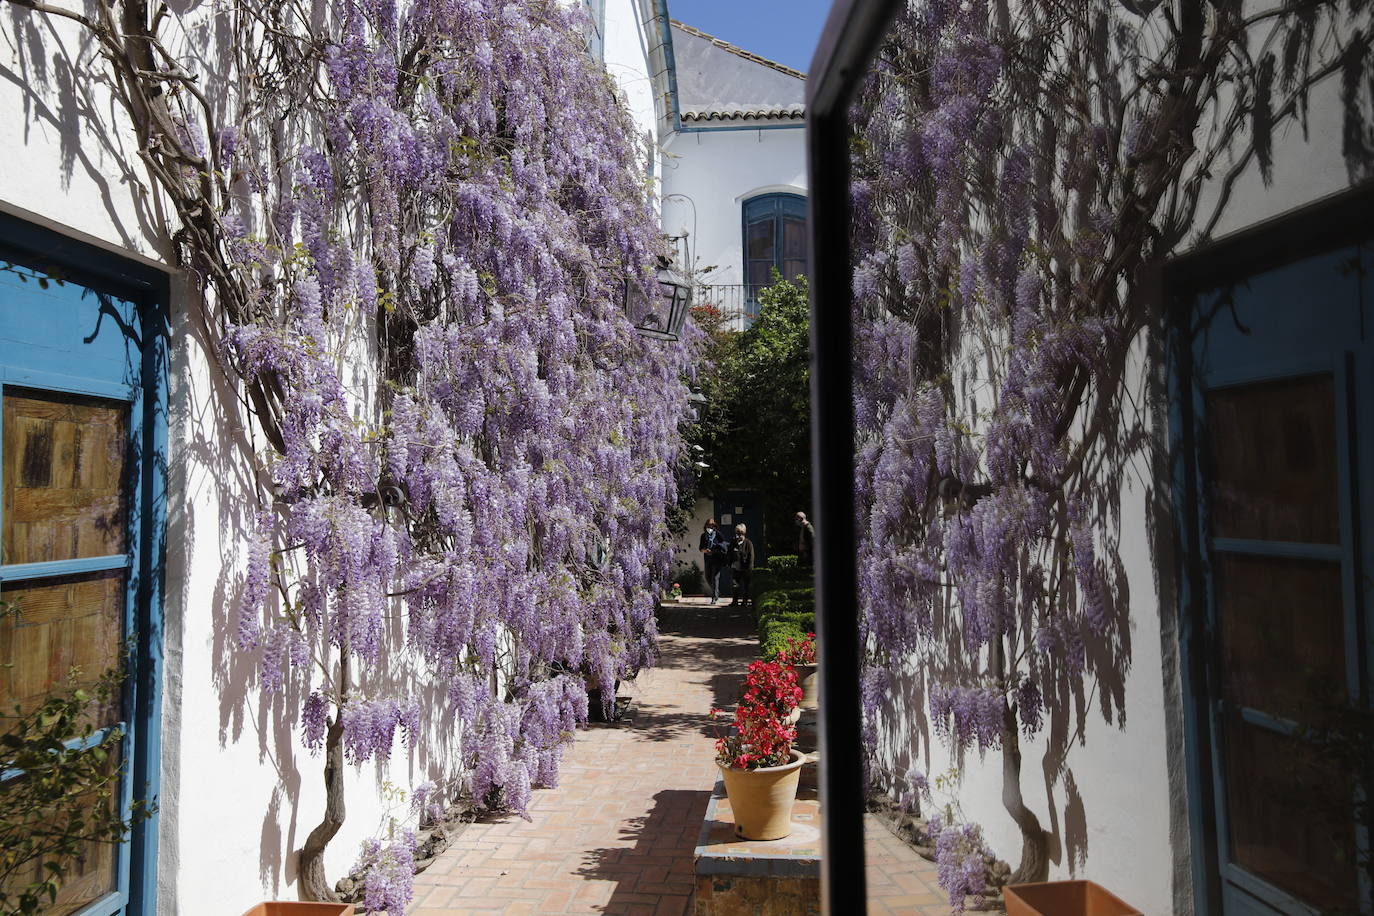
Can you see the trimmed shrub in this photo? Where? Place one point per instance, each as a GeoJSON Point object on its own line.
{"type": "Point", "coordinates": [783, 562]}
{"type": "Point", "coordinates": [787, 609]}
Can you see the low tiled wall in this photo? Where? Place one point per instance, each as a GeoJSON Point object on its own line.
{"type": "Point", "coordinates": [737, 877]}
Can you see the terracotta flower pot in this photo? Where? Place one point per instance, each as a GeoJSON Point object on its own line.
{"type": "Point", "coordinates": [596, 712]}
{"type": "Point", "coordinates": [809, 677]}
{"type": "Point", "coordinates": [762, 799]}
{"type": "Point", "coordinates": [1064, 898]}
{"type": "Point", "coordinates": [297, 908]}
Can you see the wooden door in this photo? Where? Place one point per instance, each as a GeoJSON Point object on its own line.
{"type": "Point", "coordinates": [80, 535]}
{"type": "Point", "coordinates": [1282, 403]}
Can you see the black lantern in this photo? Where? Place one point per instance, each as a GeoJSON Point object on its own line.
{"type": "Point", "coordinates": [663, 315]}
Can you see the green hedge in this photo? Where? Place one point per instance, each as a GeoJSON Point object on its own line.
{"type": "Point", "coordinates": [783, 562]}
{"type": "Point", "coordinates": [786, 607]}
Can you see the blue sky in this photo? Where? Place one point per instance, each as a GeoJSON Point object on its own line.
{"type": "Point", "coordinates": [782, 30]}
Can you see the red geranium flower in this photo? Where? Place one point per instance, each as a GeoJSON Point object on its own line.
{"type": "Point", "coordinates": [762, 735]}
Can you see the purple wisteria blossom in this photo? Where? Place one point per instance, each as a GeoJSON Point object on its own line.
{"type": "Point", "coordinates": [469, 449]}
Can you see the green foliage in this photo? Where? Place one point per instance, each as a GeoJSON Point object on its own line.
{"type": "Point", "coordinates": [692, 580]}
{"type": "Point", "coordinates": [1320, 786]}
{"type": "Point", "coordinates": [755, 427]}
{"type": "Point", "coordinates": [67, 799]}
{"type": "Point", "coordinates": [786, 605]}
{"type": "Point", "coordinates": [783, 562]}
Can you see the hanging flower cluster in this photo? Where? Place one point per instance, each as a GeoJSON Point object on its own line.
{"type": "Point", "coordinates": [419, 225]}
{"type": "Point", "coordinates": [472, 201]}
{"type": "Point", "coordinates": [387, 874]}
{"type": "Point", "coordinates": [961, 861]}
{"type": "Point", "coordinates": [971, 276]}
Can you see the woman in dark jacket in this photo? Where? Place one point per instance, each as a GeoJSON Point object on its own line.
{"type": "Point", "coordinates": [714, 551]}
{"type": "Point", "coordinates": [742, 565]}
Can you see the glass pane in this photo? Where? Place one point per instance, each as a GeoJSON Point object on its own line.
{"type": "Point", "coordinates": [760, 208]}
{"type": "Point", "coordinates": [1291, 821]}
{"type": "Point", "coordinates": [760, 241]}
{"type": "Point", "coordinates": [91, 875]}
{"type": "Point", "coordinates": [65, 489]}
{"type": "Point", "coordinates": [760, 276]}
{"type": "Point", "coordinates": [62, 623]}
{"type": "Point", "coordinates": [1275, 450]}
{"type": "Point", "coordinates": [794, 238]}
{"type": "Point", "coordinates": [1282, 626]}
{"type": "Point", "coordinates": [1282, 634]}
{"type": "Point", "coordinates": [791, 270]}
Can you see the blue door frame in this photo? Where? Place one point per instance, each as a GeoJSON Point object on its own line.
{"type": "Point", "coordinates": [773, 208]}
{"type": "Point", "coordinates": [1250, 313]}
{"type": "Point", "coordinates": [103, 332]}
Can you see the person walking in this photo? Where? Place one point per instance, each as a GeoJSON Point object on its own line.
{"type": "Point", "coordinates": [742, 566]}
{"type": "Point", "coordinates": [714, 551]}
{"type": "Point", "coordinates": [806, 540]}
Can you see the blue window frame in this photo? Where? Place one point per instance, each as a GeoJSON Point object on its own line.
{"type": "Point", "coordinates": [1272, 427]}
{"type": "Point", "coordinates": [774, 234]}
{"type": "Point", "coordinates": [83, 354]}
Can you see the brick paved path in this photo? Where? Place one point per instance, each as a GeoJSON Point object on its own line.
{"type": "Point", "coordinates": [898, 880]}
{"type": "Point", "coordinates": [618, 834]}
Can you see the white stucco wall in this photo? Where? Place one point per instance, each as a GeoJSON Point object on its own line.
{"type": "Point", "coordinates": [686, 553]}
{"type": "Point", "coordinates": [626, 46]}
{"type": "Point", "coordinates": [707, 176]}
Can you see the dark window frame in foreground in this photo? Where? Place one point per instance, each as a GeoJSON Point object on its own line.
{"type": "Point", "coordinates": [851, 37]}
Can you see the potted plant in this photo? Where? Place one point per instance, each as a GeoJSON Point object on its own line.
{"type": "Point", "coordinates": [1064, 898]}
{"type": "Point", "coordinates": [675, 593]}
{"type": "Point", "coordinates": [757, 762]}
{"type": "Point", "coordinates": [801, 655]}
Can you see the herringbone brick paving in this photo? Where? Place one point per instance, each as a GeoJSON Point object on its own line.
{"type": "Point", "coordinates": [618, 834]}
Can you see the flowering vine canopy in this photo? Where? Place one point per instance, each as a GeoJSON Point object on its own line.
{"type": "Point", "coordinates": [415, 224]}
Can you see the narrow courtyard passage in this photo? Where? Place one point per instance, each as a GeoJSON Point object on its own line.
{"type": "Point", "coordinates": [618, 833]}
{"type": "Point", "coordinates": [617, 836]}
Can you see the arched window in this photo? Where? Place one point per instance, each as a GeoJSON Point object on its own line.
{"type": "Point", "coordinates": [774, 237]}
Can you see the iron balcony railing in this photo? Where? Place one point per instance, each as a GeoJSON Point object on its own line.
{"type": "Point", "coordinates": [738, 303]}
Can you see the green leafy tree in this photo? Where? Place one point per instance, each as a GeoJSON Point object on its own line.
{"type": "Point", "coordinates": [755, 427]}
{"type": "Point", "coordinates": [59, 795]}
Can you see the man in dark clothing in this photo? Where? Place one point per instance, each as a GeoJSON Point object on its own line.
{"type": "Point", "coordinates": [806, 540]}
{"type": "Point", "coordinates": [742, 566]}
{"type": "Point", "coordinates": [714, 552]}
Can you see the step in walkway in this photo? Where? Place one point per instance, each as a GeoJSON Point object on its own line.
{"type": "Point", "coordinates": [618, 834]}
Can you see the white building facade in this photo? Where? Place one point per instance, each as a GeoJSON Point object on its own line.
{"type": "Point", "coordinates": [732, 162]}
{"type": "Point", "coordinates": [734, 170]}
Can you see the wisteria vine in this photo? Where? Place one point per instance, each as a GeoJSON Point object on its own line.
{"type": "Point", "coordinates": [1018, 169]}
{"type": "Point", "coordinates": [417, 225]}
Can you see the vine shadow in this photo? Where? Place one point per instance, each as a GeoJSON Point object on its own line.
{"type": "Point", "coordinates": [657, 868]}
